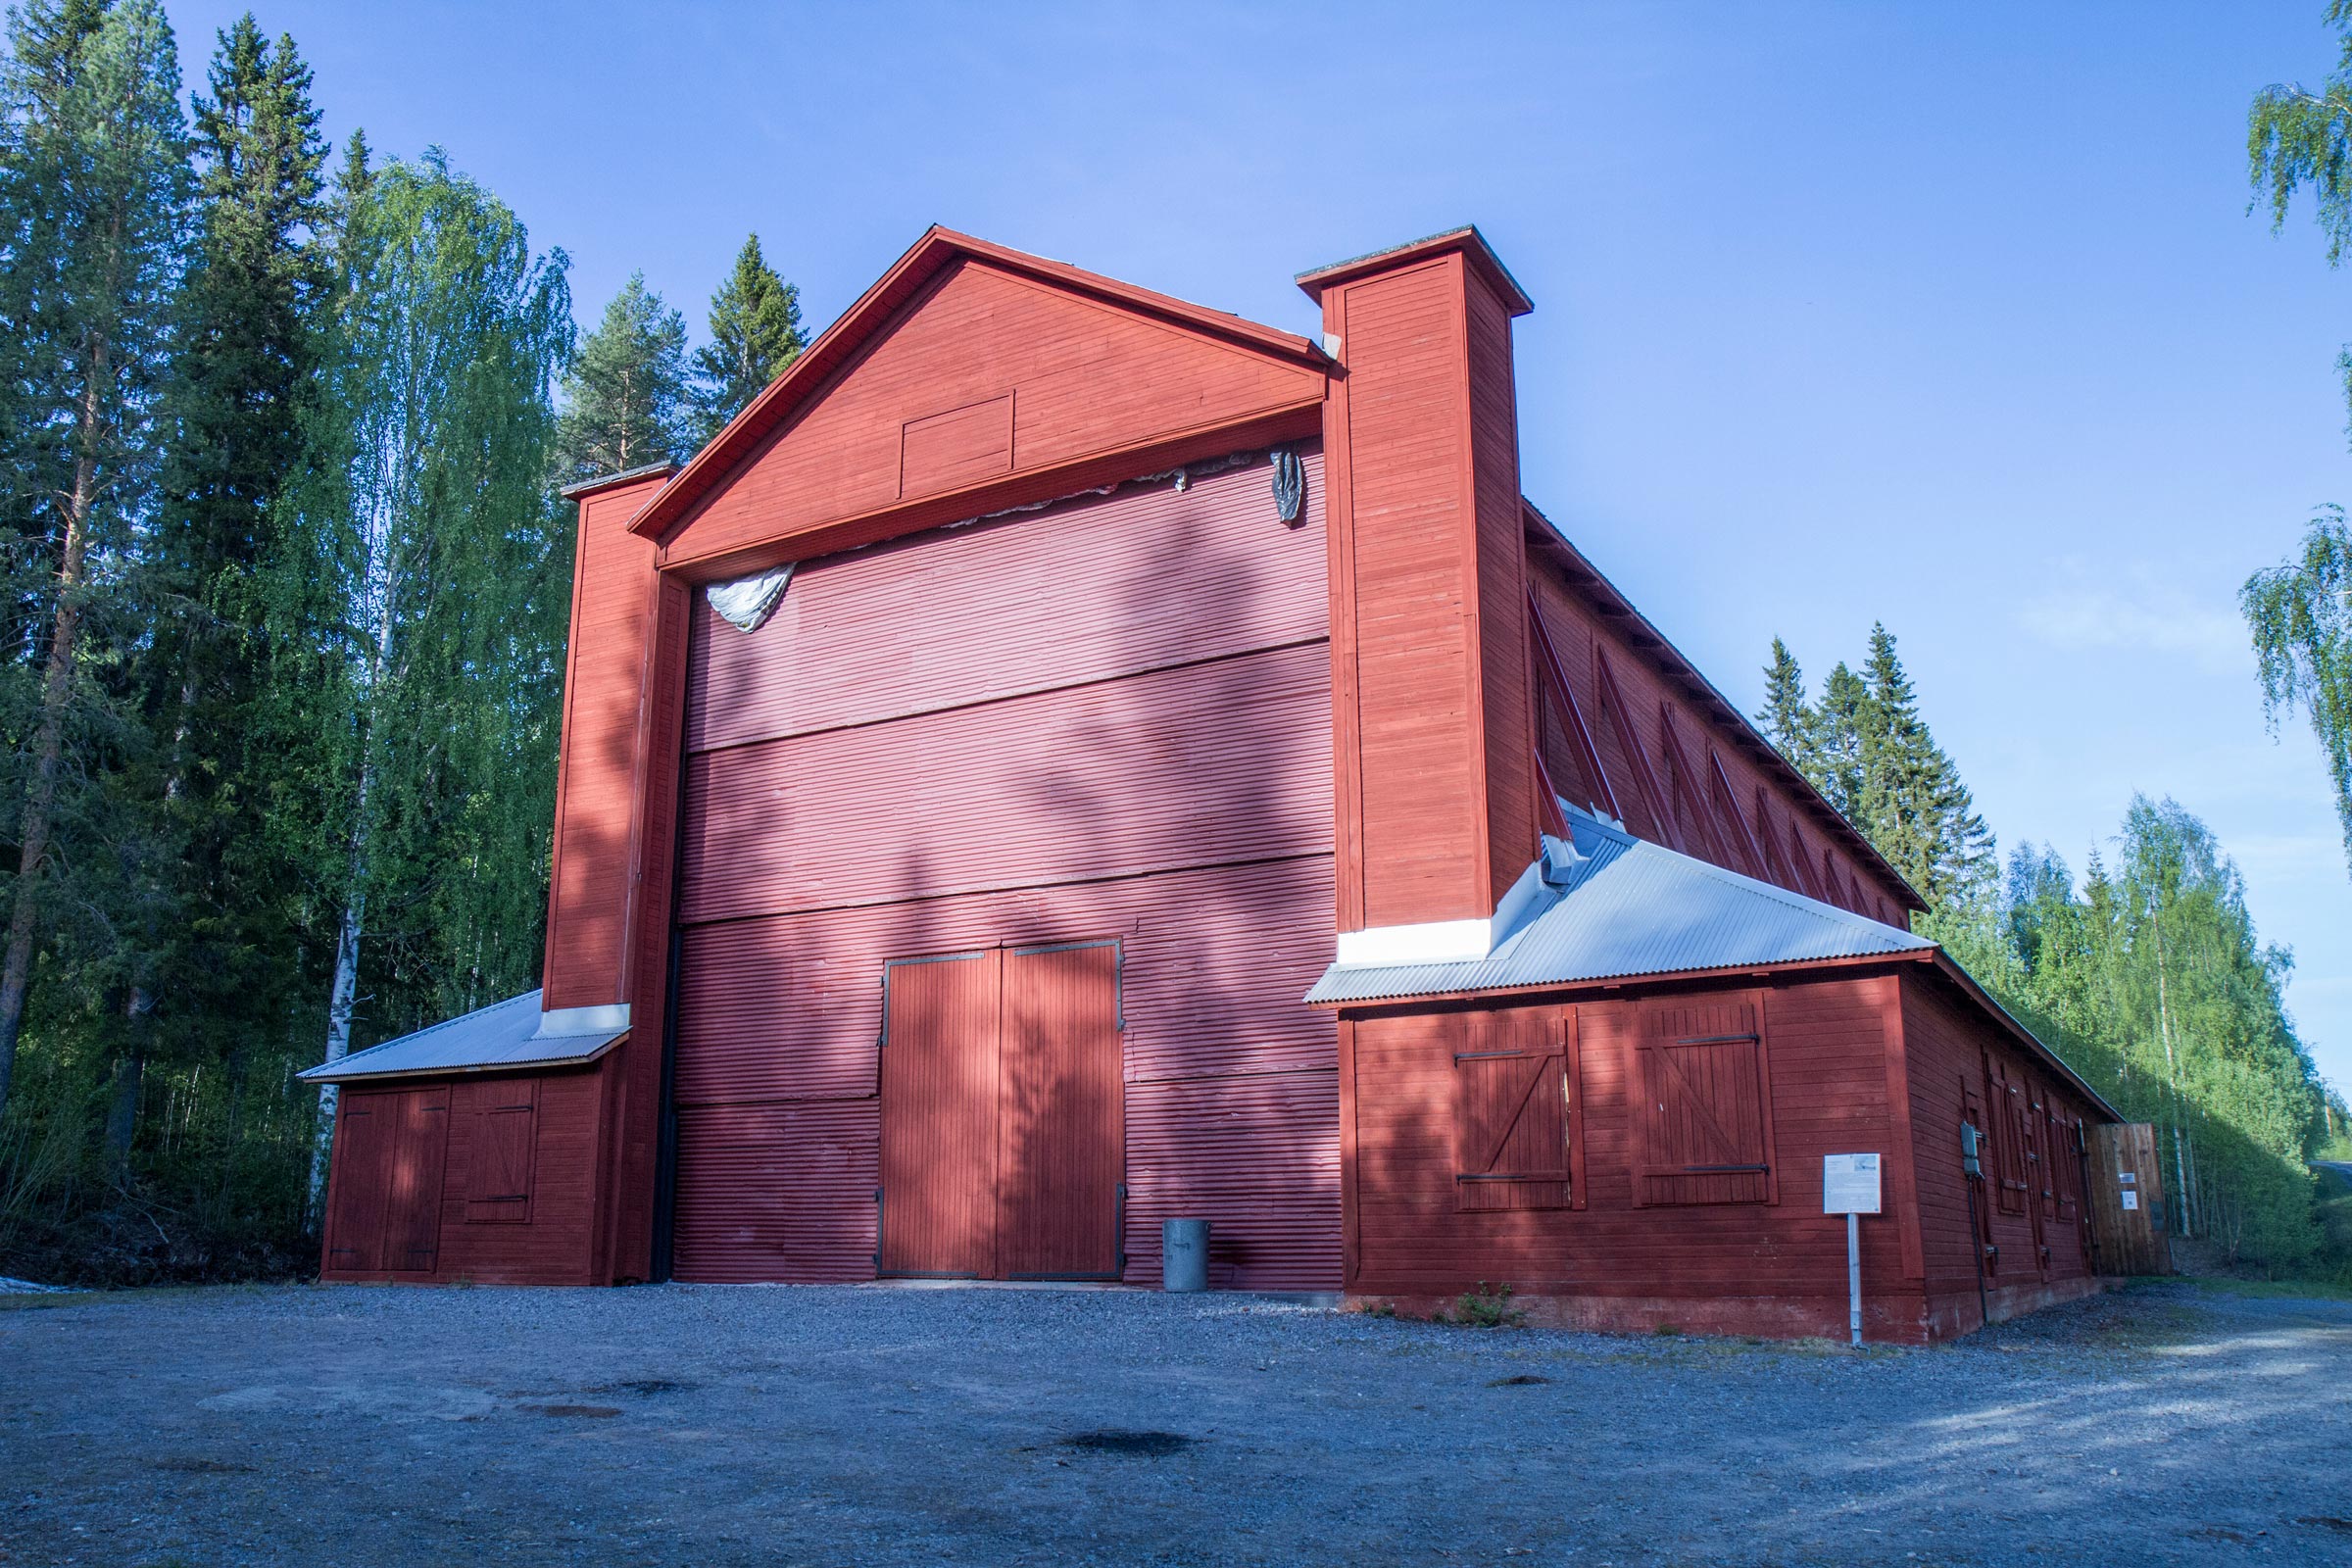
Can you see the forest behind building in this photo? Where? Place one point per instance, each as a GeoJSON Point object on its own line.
{"type": "Point", "coordinates": [284, 576]}
{"type": "Point", "coordinates": [286, 580]}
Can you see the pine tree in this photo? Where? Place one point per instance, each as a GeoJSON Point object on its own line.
{"type": "Point", "coordinates": [755, 335]}
{"type": "Point", "coordinates": [624, 397]}
{"type": "Point", "coordinates": [95, 198]}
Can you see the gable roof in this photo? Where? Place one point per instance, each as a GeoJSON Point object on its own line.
{"type": "Point", "coordinates": [505, 1034]}
{"type": "Point", "coordinates": [838, 345]}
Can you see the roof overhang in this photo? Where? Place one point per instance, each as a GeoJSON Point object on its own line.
{"type": "Point", "coordinates": [510, 1035]}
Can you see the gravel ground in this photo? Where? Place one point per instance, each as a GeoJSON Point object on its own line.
{"type": "Point", "coordinates": [865, 1425]}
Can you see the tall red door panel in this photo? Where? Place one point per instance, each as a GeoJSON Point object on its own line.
{"type": "Point", "coordinates": [938, 1115]}
{"type": "Point", "coordinates": [1062, 1150]}
{"type": "Point", "coordinates": [384, 1206]}
{"type": "Point", "coordinates": [365, 1125]}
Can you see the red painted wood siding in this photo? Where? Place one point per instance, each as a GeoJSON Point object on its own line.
{"type": "Point", "coordinates": [1826, 1049]}
{"type": "Point", "coordinates": [448, 1148]}
{"type": "Point", "coordinates": [1578, 629]}
{"type": "Point", "coordinates": [1105, 721]}
{"type": "Point", "coordinates": [597, 790]}
{"type": "Point", "coordinates": [1947, 1051]}
{"type": "Point", "coordinates": [1081, 376]}
{"type": "Point", "coordinates": [1428, 561]}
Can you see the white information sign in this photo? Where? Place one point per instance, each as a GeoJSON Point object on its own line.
{"type": "Point", "coordinates": [1849, 1184]}
{"type": "Point", "coordinates": [2131, 1198]}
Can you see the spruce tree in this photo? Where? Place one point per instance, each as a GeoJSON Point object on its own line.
{"type": "Point", "coordinates": [1786, 719]}
{"type": "Point", "coordinates": [1839, 725]}
{"type": "Point", "coordinates": [1910, 802]}
{"type": "Point", "coordinates": [624, 396]}
{"type": "Point", "coordinates": [213, 931]}
{"type": "Point", "coordinates": [95, 196]}
{"type": "Point", "coordinates": [755, 335]}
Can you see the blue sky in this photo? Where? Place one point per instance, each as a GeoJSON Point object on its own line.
{"type": "Point", "coordinates": [1946, 315]}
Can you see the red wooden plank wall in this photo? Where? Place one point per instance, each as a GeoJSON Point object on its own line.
{"type": "Point", "coordinates": [1827, 1050]}
{"type": "Point", "coordinates": [1107, 720]}
{"type": "Point", "coordinates": [1427, 561]}
{"type": "Point", "coordinates": [1077, 376]}
{"type": "Point", "coordinates": [416, 1173]}
{"type": "Point", "coordinates": [1576, 631]}
{"type": "Point", "coordinates": [597, 786]}
{"type": "Point", "coordinates": [1948, 1051]}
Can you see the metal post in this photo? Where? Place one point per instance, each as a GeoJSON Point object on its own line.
{"type": "Point", "coordinates": [1853, 1273]}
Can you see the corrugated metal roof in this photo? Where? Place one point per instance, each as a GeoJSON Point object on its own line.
{"type": "Point", "coordinates": [505, 1034]}
{"type": "Point", "coordinates": [1614, 907]}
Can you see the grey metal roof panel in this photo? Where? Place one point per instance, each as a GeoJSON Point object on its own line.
{"type": "Point", "coordinates": [1627, 908]}
{"type": "Point", "coordinates": [505, 1034]}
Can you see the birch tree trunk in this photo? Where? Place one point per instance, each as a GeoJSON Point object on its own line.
{"type": "Point", "coordinates": [345, 991]}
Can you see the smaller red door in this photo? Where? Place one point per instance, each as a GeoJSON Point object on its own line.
{"type": "Point", "coordinates": [1063, 1154]}
{"type": "Point", "coordinates": [939, 1115]}
{"type": "Point", "coordinates": [384, 1199]}
{"type": "Point", "coordinates": [354, 1196]}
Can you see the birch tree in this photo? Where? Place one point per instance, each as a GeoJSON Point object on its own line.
{"type": "Point", "coordinates": [433, 446]}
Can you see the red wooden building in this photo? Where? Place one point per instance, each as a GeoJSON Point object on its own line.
{"type": "Point", "coordinates": [1064, 759]}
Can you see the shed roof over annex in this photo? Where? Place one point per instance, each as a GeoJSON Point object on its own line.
{"type": "Point", "coordinates": [506, 1035]}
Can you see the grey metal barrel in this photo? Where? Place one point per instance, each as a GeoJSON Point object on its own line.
{"type": "Point", "coordinates": [1183, 1255]}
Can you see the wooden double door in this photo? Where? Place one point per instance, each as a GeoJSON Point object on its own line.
{"type": "Point", "coordinates": [384, 1206]}
{"type": "Point", "coordinates": [1004, 1137]}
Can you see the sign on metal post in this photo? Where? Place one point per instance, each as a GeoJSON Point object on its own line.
{"type": "Point", "coordinates": [1849, 1186]}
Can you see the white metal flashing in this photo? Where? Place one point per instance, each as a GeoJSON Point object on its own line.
{"type": "Point", "coordinates": [1430, 942]}
{"type": "Point", "coordinates": [563, 1023]}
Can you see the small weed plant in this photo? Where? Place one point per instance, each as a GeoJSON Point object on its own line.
{"type": "Point", "coordinates": [1487, 1307]}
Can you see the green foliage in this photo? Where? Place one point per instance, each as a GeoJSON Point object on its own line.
{"type": "Point", "coordinates": [2151, 983]}
{"type": "Point", "coordinates": [1487, 1307]}
{"type": "Point", "coordinates": [624, 397]}
{"type": "Point", "coordinates": [1868, 751]}
{"type": "Point", "coordinates": [755, 335]}
{"type": "Point", "coordinates": [447, 568]}
{"type": "Point", "coordinates": [2301, 621]}
{"type": "Point", "coordinates": [2296, 139]}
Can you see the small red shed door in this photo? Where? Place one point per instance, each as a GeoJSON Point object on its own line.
{"type": "Point", "coordinates": [384, 1206]}
{"type": "Point", "coordinates": [354, 1203]}
{"type": "Point", "coordinates": [412, 1192]}
{"type": "Point", "coordinates": [939, 1115]}
{"type": "Point", "coordinates": [1062, 1153]}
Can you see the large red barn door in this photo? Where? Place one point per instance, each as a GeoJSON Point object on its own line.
{"type": "Point", "coordinates": [1064, 1154]}
{"type": "Point", "coordinates": [939, 1115]}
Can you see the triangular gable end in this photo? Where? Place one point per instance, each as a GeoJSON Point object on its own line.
{"type": "Point", "coordinates": [971, 377]}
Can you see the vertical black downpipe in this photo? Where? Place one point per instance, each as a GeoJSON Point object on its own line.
{"type": "Point", "coordinates": [665, 1147]}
